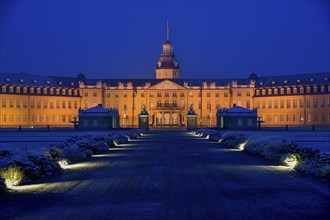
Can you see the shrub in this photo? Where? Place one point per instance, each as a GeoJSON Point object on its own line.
{"type": "Point", "coordinates": [2, 185]}
{"type": "Point", "coordinates": [13, 175]}
{"type": "Point", "coordinates": [233, 139]}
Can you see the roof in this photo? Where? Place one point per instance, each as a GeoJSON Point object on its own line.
{"type": "Point", "coordinates": [96, 109]}
{"type": "Point", "coordinates": [239, 109]}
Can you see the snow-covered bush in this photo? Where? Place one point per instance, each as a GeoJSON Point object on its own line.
{"type": "Point", "coordinates": [13, 175]}
{"type": "Point", "coordinates": [2, 185]}
{"type": "Point", "coordinates": [96, 145]}
{"type": "Point", "coordinates": [233, 139]}
{"type": "Point", "coordinates": [118, 137]}
{"type": "Point", "coordinates": [71, 153]}
{"type": "Point", "coordinates": [215, 136]}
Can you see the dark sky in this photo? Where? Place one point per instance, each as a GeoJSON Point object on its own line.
{"type": "Point", "coordinates": [215, 39]}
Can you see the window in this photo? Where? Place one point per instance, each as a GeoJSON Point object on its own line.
{"type": "Point", "coordinates": [85, 94]}
{"type": "Point", "coordinates": [24, 118]}
{"type": "Point", "coordinates": [270, 92]}
{"type": "Point", "coordinates": [282, 104]}
{"type": "Point", "coordinates": [38, 91]}
{"type": "Point", "coordinates": [301, 118]}
{"type": "Point", "coordinates": [322, 89]}
{"type": "Point", "coordinates": [281, 118]}
{"type": "Point", "coordinates": [32, 103]}
{"type": "Point", "coordinates": [51, 104]}
{"type": "Point", "coordinates": [4, 118]}
{"type": "Point", "coordinates": [301, 103]}
{"type": "Point", "coordinates": [182, 94]}
{"type": "Point", "coordinates": [45, 104]}
{"type": "Point", "coordinates": [248, 105]}
{"type": "Point", "coordinates": [322, 104]}
{"type": "Point", "coordinates": [94, 94]}
{"type": "Point", "coordinates": [308, 103]}
{"type": "Point", "coordinates": [57, 104]}
{"type": "Point", "coordinates": [301, 90]}
{"type": "Point", "coordinates": [159, 94]}
{"type": "Point", "coordinates": [294, 90]}
{"type": "Point", "coordinates": [4, 89]}
{"type": "Point", "coordinates": [18, 118]}
{"type": "Point", "coordinates": [239, 94]}
{"type": "Point", "coordinates": [315, 89]}
{"type": "Point", "coordinates": [199, 105]}
{"type": "Point", "coordinates": [57, 91]}
{"type": "Point", "coordinates": [125, 95]}
{"type": "Point", "coordinates": [294, 104]}
{"type": "Point", "coordinates": [208, 95]}
{"type": "Point", "coordinates": [288, 118]}
{"type": "Point", "coordinates": [288, 91]}
{"type": "Point", "coordinates": [63, 118]}
{"type": "Point", "coordinates": [24, 103]}
{"type": "Point", "coordinates": [239, 102]}
{"type": "Point", "coordinates": [248, 94]}
{"type": "Point", "coordinates": [275, 103]}
{"type": "Point", "coordinates": [159, 103]}
{"type": "Point", "coordinates": [275, 118]}
{"type": "Point", "coordinates": [208, 105]}
{"type": "Point", "coordinates": [167, 94]}
{"type": "Point", "coordinates": [86, 104]}
{"type": "Point", "coordinates": [257, 92]}
{"type": "Point", "coordinates": [63, 92]}
{"type": "Point", "coordinates": [269, 118]}
{"type": "Point", "coordinates": [75, 105]}
{"type": "Point", "coordinates": [282, 91]}
{"type": "Point", "coordinates": [263, 104]}
{"type": "Point", "coordinates": [45, 91]}
{"type": "Point", "coordinates": [11, 103]}
{"type": "Point", "coordinates": [217, 94]}
{"type": "Point", "coordinates": [175, 104]}
{"type": "Point", "coordinates": [63, 104]}
{"type": "Point", "coordinates": [31, 118]}
{"type": "Point", "coordinates": [51, 91]}
{"type": "Point", "coordinates": [38, 104]}
{"type": "Point", "coordinates": [270, 104]}
{"type": "Point", "coordinates": [31, 90]}
{"type": "Point", "coordinates": [315, 103]}
{"type": "Point", "coordinates": [316, 117]}
{"type": "Point", "coordinates": [151, 94]}
{"type": "Point", "coordinates": [288, 104]}
{"type": "Point", "coordinates": [108, 94]}
{"type": "Point", "coordinates": [18, 103]}
{"type": "Point", "coordinates": [294, 119]}
{"type": "Point", "coordinates": [11, 118]}
{"type": "Point", "coordinates": [263, 92]}
{"type": "Point", "coordinates": [258, 104]}
{"type": "Point", "coordinates": [24, 90]}
{"type": "Point", "coordinates": [225, 94]}
{"type": "Point", "coordinates": [275, 91]}
{"type": "Point", "coordinates": [323, 118]}
{"type": "Point", "coordinates": [4, 103]}
{"type": "Point", "coordinates": [18, 89]}
{"type": "Point", "coordinates": [308, 90]}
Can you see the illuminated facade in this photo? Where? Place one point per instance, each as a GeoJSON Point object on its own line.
{"type": "Point", "coordinates": [294, 100]}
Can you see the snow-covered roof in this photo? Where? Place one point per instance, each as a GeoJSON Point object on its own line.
{"type": "Point", "coordinates": [239, 109]}
{"type": "Point", "coordinates": [96, 109]}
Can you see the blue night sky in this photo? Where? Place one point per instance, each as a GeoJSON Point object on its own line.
{"type": "Point", "coordinates": [214, 39]}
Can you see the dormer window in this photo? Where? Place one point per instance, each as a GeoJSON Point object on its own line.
{"type": "Point", "coordinates": [11, 89]}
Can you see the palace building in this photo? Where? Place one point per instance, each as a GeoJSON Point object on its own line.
{"type": "Point", "coordinates": [35, 100]}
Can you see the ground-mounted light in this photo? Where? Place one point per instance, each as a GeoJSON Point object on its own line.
{"type": "Point", "coordinates": [208, 136]}
{"type": "Point", "coordinates": [115, 143]}
{"type": "Point", "coordinates": [63, 164]}
{"type": "Point", "coordinates": [12, 175]}
{"type": "Point", "coordinates": [290, 161]}
{"type": "Point", "coordinates": [219, 141]}
{"type": "Point", "coordinates": [242, 145]}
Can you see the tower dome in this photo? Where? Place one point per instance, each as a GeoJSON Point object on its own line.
{"type": "Point", "coordinates": [167, 66]}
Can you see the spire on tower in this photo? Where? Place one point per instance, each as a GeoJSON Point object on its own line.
{"type": "Point", "coordinates": [167, 31]}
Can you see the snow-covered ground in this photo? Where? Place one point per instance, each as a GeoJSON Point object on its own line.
{"type": "Point", "coordinates": [317, 140]}
{"type": "Point", "coordinates": [37, 142]}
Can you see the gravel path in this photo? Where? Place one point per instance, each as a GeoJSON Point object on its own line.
{"type": "Point", "coordinates": [172, 175]}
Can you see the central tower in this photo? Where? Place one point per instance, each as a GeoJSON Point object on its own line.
{"type": "Point", "coordinates": [167, 66]}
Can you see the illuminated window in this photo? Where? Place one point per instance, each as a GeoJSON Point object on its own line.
{"type": "Point", "coordinates": [263, 92]}
{"type": "Point", "coordinates": [45, 91]}
{"type": "Point", "coordinates": [301, 90]}
{"type": "Point", "coordinates": [308, 103]}
{"type": "Point", "coordinates": [11, 89]}
{"type": "Point", "coordinates": [31, 90]}
{"type": "Point", "coordinates": [275, 91]}
{"type": "Point", "coordinates": [69, 92]}
{"type": "Point", "coordinates": [38, 104]}
{"type": "Point", "coordinates": [18, 89]}
{"type": "Point", "coordinates": [24, 103]}
{"type": "Point", "coordinates": [4, 118]}
{"type": "Point", "coordinates": [51, 91]}
{"type": "Point", "coordinates": [63, 92]}
{"type": "Point", "coordinates": [38, 91]}
{"type": "Point", "coordinates": [315, 103]}
{"type": "Point", "coordinates": [288, 103]}
{"type": "Point", "coordinates": [270, 104]}
{"type": "Point", "coordinates": [11, 103]}
{"type": "Point", "coordinates": [301, 103]}
{"type": "Point", "coordinates": [288, 91]}
{"type": "Point", "coordinates": [275, 103]}
{"type": "Point", "coordinates": [51, 104]}
{"type": "Point", "coordinates": [315, 89]}
{"type": "Point", "coordinates": [295, 90]}
{"type": "Point", "coordinates": [270, 92]}
{"type": "Point", "coordinates": [308, 90]}
{"type": "Point", "coordinates": [294, 104]}
{"type": "Point", "coordinates": [57, 104]}
{"type": "Point", "coordinates": [263, 105]}
{"type": "Point", "coordinates": [4, 103]}
{"type": "Point", "coordinates": [24, 90]}
{"type": "Point", "coordinates": [282, 104]}
{"type": "Point", "coordinates": [57, 91]}
{"type": "Point", "coordinates": [3, 89]}
{"type": "Point", "coordinates": [18, 103]}
{"type": "Point", "coordinates": [32, 103]}
{"type": "Point", "coordinates": [45, 104]}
